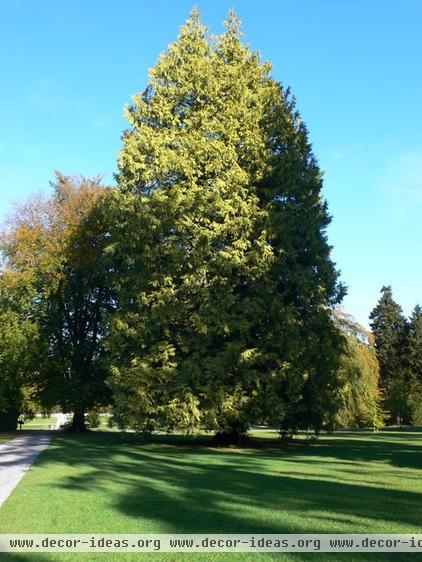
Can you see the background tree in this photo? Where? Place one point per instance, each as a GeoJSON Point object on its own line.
{"type": "Point", "coordinates": [18, 342]}
{"type": "Point", "coordinates": [360, 396]}
{"type": "Point", "coordinates": [57, 244]}
{"type": "Point", "coordinates": [222, 265]}
{"type": "Point", "coordinates": [390, 331]}
{"type": "Point", "coordinates": [414, 363]}
{"type": "Point", "coordinates": [19, 334]}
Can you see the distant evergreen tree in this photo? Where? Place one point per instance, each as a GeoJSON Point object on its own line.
{"type": "Point", "coordinates": [390, 331]}
{"type": "Point", "coordinates": [414, 361]}
{"type": "Point", "coordinates": [222, 264]}
{"type": "Point", "coordinates": [414, 350]}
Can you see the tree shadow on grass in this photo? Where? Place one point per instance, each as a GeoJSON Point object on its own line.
{"type": "Point", "coordinates": [197, 489]}
{"type": "Point", "coordinates": [392, 451]}
{"type": "Point", "coordinates": [182, 487]}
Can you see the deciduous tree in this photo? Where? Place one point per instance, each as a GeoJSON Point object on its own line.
{"type": "Point", "coordinates": [56, 244]}
{"type": "Point", "coordinates": [360, 396]}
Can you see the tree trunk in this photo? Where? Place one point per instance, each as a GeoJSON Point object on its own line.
{"type": "Point", "coordinates": [235, 433]}
{"type": "Point", "coordinates": [78, 422]}
{"type": "Point", "coordinates": [9, 420]}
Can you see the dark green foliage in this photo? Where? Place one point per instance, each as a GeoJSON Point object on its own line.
{"type": "Point", "coordinates": [414, 347]}
{"type": "Point", "coordinates": [19, 338]}
{"type": "Point", "coordinates": [9, 417]}
{"type": "Point", "coordinates": [221, 262]}
{"type": "Point", "coordinates": [390, 331]}
{"type": "Point", "coordinates": [73, 320]}
{"type": "Point", "coordinates": [414, 363]}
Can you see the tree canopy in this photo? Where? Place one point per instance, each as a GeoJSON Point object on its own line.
{"type": "Point", "coordinates": [55, 282]}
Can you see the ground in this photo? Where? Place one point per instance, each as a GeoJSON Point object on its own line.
{"type": "Point", "coordinates": [39, 422]}
{"type": "Point", "coordinates": [349, 482]}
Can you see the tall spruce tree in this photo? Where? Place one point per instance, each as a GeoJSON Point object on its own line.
{"type": "Point", "coordinates": [414, 350]}
{"type": "Point", "coordinates": [390, 331]}
{"type": "Point", "coordinates": [414, 363]}
{"type": "Point", "coordinates": [222, 265]}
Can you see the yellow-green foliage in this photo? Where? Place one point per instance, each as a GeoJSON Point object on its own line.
{"type": "Point", "coordinates": [222, 266]}
{"type": "Point", "coordinates": [360, 395]}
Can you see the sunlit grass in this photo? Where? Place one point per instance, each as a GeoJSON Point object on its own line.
{"type": "Point", "coordinates": [38, 422]}
{"type": "Point", "coordinates": [348, 482]}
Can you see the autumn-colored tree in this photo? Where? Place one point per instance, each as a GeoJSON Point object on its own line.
{"type": "Point", "coordinates": [56, 245]}
{"type": "Point", "coordinates": [223, 270]}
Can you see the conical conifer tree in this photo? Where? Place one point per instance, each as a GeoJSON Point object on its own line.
{"type": "Point", "coordinates": [223, 268]}
{"type": "Point", "coordinates": [414, 349]}
{"type": "Point", "coordinates": [390, 331]}
{"type": "Point", "coordinates": [414, 364]}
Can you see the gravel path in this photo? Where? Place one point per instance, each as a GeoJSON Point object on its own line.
{"type": "Point", "coordinates": [16, 456]}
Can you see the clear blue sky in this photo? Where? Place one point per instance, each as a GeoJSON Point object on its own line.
{"type": "Point", "coordinates": [69, 67]}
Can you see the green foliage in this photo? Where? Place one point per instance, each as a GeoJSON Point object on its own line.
{"type": "Point", "coordinates": [55, 285]}
{"type": "Point", "coordinates": [360, 395]}
{"type": "Point", "coordinates": [414, 345]}
{"type": "Point", "coordinates": [219, 250]}
{"type": "Point", "coordinates": [390, 331]}
{"type": "Point", "coordinates": [19, 336]}
{"type": "Point", "coordinates": [414, 364]}
{"type": "Point", "coordinates": [93, 419]}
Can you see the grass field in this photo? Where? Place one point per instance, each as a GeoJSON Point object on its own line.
{"type": "Point", "coordinates": [112, 482]}
{"type": "Point", "coordinates": [40, 423]}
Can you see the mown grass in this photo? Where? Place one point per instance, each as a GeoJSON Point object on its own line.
{"type": "Point", "coordinates": [349, 482]}
{"type": "Point", "coordinates": [37, 423]}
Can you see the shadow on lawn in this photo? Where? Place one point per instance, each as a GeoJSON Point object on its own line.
{"type": "Point", "coordinates": [198, 489]}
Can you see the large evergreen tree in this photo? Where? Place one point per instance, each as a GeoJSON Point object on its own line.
{"type": "Point", "coordinates": [222, 265]}
{"type": "Point", "coordinates": [390, 331]}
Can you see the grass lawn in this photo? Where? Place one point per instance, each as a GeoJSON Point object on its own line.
{"type": "Point", "coordinates": [40, 423]}
{"type": "Point", "coordinates": [111, 482]}
{"type": "Point", "coordinates": [5, 436]}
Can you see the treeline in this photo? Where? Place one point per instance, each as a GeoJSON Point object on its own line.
{"type": "Point", "coordinates": [199, 292]}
